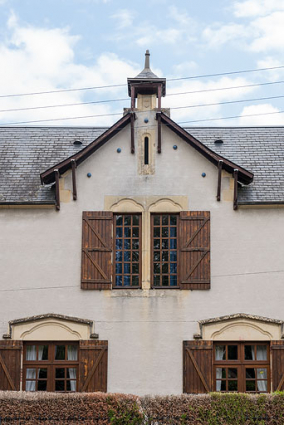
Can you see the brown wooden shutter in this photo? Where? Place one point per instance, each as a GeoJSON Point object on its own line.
{"type": "Point", "coordinates": [194, 256]}
{"type": "Point", "coordinates": [10, 365]}
{"type": "Point", "coordinates": [97, 250]}
{"type": "Point", "coordinates": [93, 357]}
{"type": "Point", "coordinates": [277, 350]}
{"type": "Point", "coordinates": [197, 366]}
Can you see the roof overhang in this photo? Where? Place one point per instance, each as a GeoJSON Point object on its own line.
{"type": "Point", "coordinates": [244, 176]}
{"type": "Point", "coordinates": [48, 176]}
{"type": "Point", "coordinates": [146, 85]}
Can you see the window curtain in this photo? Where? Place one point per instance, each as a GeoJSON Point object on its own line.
{"type": "Point", "coordinates": [72, 354]}
{"type": "Point", "coordinates": [31, 372]}
{"type": "Point", "coordinates": [220, 352]}
{"type": "Point", "coordinates": [261, 373]}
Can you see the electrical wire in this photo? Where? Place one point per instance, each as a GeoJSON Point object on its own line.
{"type": "Point", "coordinates": [123, 85]}
{"type": "Point", "coordinates": [144, 126]}
{"type": "Point", "coordinates": [126, 99]}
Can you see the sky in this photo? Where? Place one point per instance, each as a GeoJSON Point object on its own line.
{"type": "Point", "coordinates": [64, 46]}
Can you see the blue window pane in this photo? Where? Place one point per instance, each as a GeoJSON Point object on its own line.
{"type": "Point", "coordinates": [165, 268]}
{"type": "Point", "coordinates": [118, 243]}
{"type": "Point", "coordinates": [157, 268]}
{"type": "Point", "coordinates": [173, 281]}
{"type": "Point", "coordinates": [127, 232]}
{"type": "Point", "coordinates": [135, 280]}
{"type": "Point", "coordinates": [126, 255]}
{"type": "Point", "coordinates": [118, 268]}
{"type": "Point", "coordinates": [135, 244]}
{"type": "Point", "coordinates": [173, 232]}
{"type": "Point", "coordinates": [127, 220]}
{"type": "Point", "coordinates": [165, 280]}
{"type": "Point", "coordinates": [119, 232]}
{"type": "Point", "coordinates": [156, 232]}
{"type": "Point", "coordinates": [165, 243]}
{"type": "Point", "coordinates": [173, 244]}
{"type": "Point", "coordinates": [173, 220]}
{"type": "Point", "coordinates": [126, 267]}
{"type": "Point", "coordinates": [118, 255]}
{"type": "Point", "coordinates": [157, 256]}
{"type": "Point", "coordinates": [165, 232]}
{"type": "Point", "coordinates": [119, 220]}
{"type": "Point", "coordinates": [126, 280]}
{"type": "Point", "coordinates": [135, 255]}
{"type": "Point", "coordinates": [135, 268]}
{"type": "Point", "coordinates": [118, 280]}
{"type": "Point", "coordinates": [157, 280]}
{"type": "Point", "coordinates": [165, 220]}
{"type": "Point", "coordinates": [135, 220]}
{"type": "Point", "coordinates": [173, 267]}
{"type": "Point", "coordinates": [127, 244]}
{"type": "Point", "coordinates": [173, 256]}
{"type": "Point", "coordinates": [165, 256]}
{"type": "Point", "coordinates": [156, 220]}
{"type": "Point", "coordinates": [157, 244]}
{"type": "Point", "coordinates": [135, 232]}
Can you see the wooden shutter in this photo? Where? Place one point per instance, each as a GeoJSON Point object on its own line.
{"type": "Point", "coordinates": [97, 250]}
{"type": "Point", "coordinates": [10, 365]}
{"type": "Point", "coordinates": [93, 365]}
{"type": "Point", "coordinates": [277, 350]}
{"type": "Point", "coordinates": [194, 256]}
{"type": "Point", "coordinates": [197, 366]}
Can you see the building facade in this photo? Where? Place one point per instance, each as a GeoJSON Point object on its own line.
{"type": "Point", "coordinates": [144, 258]}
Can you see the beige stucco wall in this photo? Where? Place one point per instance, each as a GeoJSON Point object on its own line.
{"type": "Point", "coordinates": [40, 255]}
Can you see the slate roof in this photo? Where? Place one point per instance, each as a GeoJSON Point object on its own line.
{"type": "Point", "coordinates": [257, 149]}
{"type": "Point", "coordinates": [25, 152]}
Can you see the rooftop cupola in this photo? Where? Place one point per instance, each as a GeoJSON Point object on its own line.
{"type": "Point", "coordinates": [146, 83]}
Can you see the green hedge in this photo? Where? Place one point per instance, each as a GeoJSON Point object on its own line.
{"type": "Point", "coordinates": [117, 409]}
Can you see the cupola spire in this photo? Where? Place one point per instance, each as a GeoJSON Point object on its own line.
{"type": "Point", "coordinates": [146, 83]}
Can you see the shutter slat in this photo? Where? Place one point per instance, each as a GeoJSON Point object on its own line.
{"type": "Point", "coordinates": [194, 234]}
{"type": "Point", "coordinates": [93, 365]}
{"type": "Point", "coordinates": [198, 366]}
{"type": "Point", "coordinates": [97, 250]}
{"type": "Point", "coordinates": [10, 365]}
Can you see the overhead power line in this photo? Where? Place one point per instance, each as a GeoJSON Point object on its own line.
{"type": "Point", "coordinates": [123, 85]}
{"type": "Point", "coordinates": [172, 94]}
{"type": "Point", "coordinates": [144, 126]}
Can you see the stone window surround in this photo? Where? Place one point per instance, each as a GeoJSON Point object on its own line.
{"type": "Point", "coordinates": [146, 205]}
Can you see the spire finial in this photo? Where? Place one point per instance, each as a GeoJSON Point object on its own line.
{"type": "Point", "coordinates": [147, 59]}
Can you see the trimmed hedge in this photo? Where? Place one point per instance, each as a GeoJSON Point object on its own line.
{"type": "Point", "coordinates": [117, 409]}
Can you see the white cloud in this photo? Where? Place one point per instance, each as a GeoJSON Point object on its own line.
{"type": "Point", "coordinates": [269, 33]}
{"type": "Point", "coordinates": [259, 34]}
{"type": "Point", "coordinates": [180, 31]}
{"type": "Point", "coordinates": [41, 59]}
{"type": "Point", "coordinates": [124, 18]}
{"type": "Point", "coordinates": [250, 8]}
{"type": "Point", "coordinates": [266, 114]}
{"type": "Point", "coordinates": [218, 34]}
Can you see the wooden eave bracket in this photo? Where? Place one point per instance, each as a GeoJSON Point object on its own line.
{"type": "Point", "coordinates": [244, 176]}
{"type": "Point", "coordinates": [132, 119]}
{"type": "Point", "coordinates": [57, 191]}
{"type": "Point", "coordinates": [236, 173]}
{"type": "Point", "coordinates": [74, 166]}
{"type": "Point", "coordinates": [220, 166]}
{"type": "Point", "coordinates": [158, 118]}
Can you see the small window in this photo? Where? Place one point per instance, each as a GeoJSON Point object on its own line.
{"type": "Point", "coordinates": [51, 366]}
{"type": "Point", "coordinates": [165, 250]}
{"type": "Point", "coordinates": [127, 250]}
{"type": "Point", "coordinates": [242, 367]}
{"type": "Point", "coordinates": [146, 150]}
